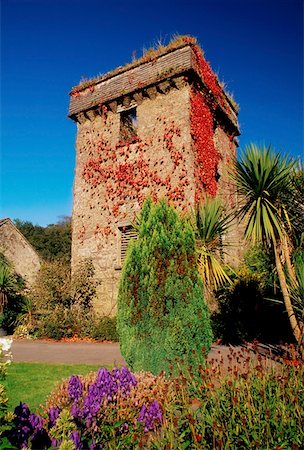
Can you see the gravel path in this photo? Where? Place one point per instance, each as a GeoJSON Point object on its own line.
{"type": "Point", "coordinates": [89, 353]}
{"type": "Point", "coordinates": [66, 352]}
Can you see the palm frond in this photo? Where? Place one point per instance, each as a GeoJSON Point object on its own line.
{"type": "Point", "coordinates": [212, 271]}
{"type": "Point", "coordinates": [296, 286]}
{"type": "Point", "coordinates": [261, 177]}
{"type": "Point", "coordinates": [210, 224]}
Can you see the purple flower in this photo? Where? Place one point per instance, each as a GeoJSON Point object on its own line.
{"type": "Point", "coordinates": [28, 428]}
{"type": "Point", "coordinates": [22, 430]}
{"type": "Point", "coordinates": [125, 379]}
{"type": "Point", "coordinates": [53, 415]}
{"type": "Point", "coordinates": [91, 403]}
{"type": "Point", "coordinates": [76, 411]}
{"type": "Point", "coordinates": [22, 410]}
{"type": "Point", "coordinates": [95, 446]}
{"type": "Point", "coordinates": [75, 388]}
{"type": "Point", "coordinates": [142, 414]}
{"type": "Point", "coordinates": [151, 416]}
{"type": "Point", "coordinates": [36, 422]}
{"type": "Point", "coordinates": [105, 389]}
{"type": "Point", "coordinates": [75, 438]}
{"type": "Point", "coordinates": [55, 443]}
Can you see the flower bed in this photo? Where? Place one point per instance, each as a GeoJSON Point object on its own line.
{"type": "Point", "coordinates": [245, 404]}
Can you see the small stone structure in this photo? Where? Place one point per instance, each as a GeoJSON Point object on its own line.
{"type": "Point", "coordinates": [18, 251]}
{"type": "Point", "coordinates": [162, 126]}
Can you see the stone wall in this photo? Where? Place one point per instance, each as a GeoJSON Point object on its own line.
{"type": "Point", "coordinates": [18, 251]}
{"type": "Point", "coordinates": [159, 163]}
{"type": "Point", "coordinates": [226, 191]}
{"type": "Point", "coordinates": [182, 148]}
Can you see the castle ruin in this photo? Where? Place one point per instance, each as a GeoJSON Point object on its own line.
{"type": "Point", "coordinates": [161, 126]}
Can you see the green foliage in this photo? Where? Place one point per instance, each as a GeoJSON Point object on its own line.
{"type": "Point", "coordinates": [246, 303]}
{"type": "Point", "coordinates": [53, 286]}
{"type": "Point", "coordinates": [296, 286]}
{"type": "Point", "coordinates": [263, 178]}
{"type": "Point", "coordinates": [62, 306]}
{"type": "Point", "coordinates": [12, 298]}
{"type": "Point", "coordinates": [63, 429]}
{"type": "Point", "coordinates": [161, 309]}
{"type": "Point", "coordinates": [8, 285]}
{"type": "Point", "coordinates": [265, 181]}
{"type": "Point", "coordinates": [210, 223]}
{"type": "Point", "coordinates": [259, 263]}
{"type": "Point", "coordinates": [5, 416]}
{"type": "Point", "coordinates": [104, 329]}
{"type": "Point", "coordinates": [248, 406]}
{"type": "Point", "coordinates": [51, 242]}
{"type": "Point", "coordinates": [62, 322]}
{"type": "Point", "coordinates": [294, 199]}
{"type": "Point", "coordinates": [83, 285]}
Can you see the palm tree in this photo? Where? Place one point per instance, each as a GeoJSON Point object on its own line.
{"type": "Point", "coordinates": [263, 178]}
{"type": "Point", "coordinates": [210, 224]}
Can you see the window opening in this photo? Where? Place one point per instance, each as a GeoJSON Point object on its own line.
{"type": "Point", "coordinates": [127, 234]}
{"type": "Point", "coordinates": [128, 124]}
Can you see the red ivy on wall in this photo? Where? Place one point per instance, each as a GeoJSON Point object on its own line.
{"type": "Point", "coordinates": [207, 157]}
{"type": "Point", "coordinates": [203, 105]}
{"type": "Point", "coordinates": [216, 93]}
{"type": "Point", "coordinates": [125, 173]}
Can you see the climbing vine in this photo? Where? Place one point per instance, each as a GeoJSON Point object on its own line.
{"type": "Point", "coordinates": [203, 106]}
{"type": "Point", "coordinates": [125, 173]}
{"type": "Point", "coordinates": [207, 157]}
{"type": "Point", "coordinates": [122, 175]}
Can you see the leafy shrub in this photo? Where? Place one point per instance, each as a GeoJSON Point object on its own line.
{"type": "Point", "coordinates": [83, 284]}
{"type": "Point", "coordinates": [244, 403]}
{"type": "Point", "coordinates": [52, 286]}
{"type": "Point", "coordinates": [104, 329]}
{"type": "Point", "coordinates": [248, 304]}
{"type": "Point", "coordinates": [62, 322]}
{"type": "Point", "coordinates": [161, 309]}
{"type": "Point", "coordinates": [61, 305]}
{"type": "Point", "coordinates": [12, 296]}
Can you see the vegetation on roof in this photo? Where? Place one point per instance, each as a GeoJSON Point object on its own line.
{"type": "Point", "coordinates": [150, 54]}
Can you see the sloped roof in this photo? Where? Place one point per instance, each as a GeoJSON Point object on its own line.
{"type": "Point", "coordinates": [7, 220]}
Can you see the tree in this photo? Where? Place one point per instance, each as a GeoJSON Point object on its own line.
{"type": "Point", "coordinates": [51, 242]}
{"type": "Point", "coordinates": [210, 224]}
{"type": "Point", "coordinates": [263, 179]}
{"type": "Point", "coordinates": [161, 310]}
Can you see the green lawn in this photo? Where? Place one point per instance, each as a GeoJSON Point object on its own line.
{"type": "Point", "coordinates": [32, 382]}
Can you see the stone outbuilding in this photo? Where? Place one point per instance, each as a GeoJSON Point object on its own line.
{"type": "Point", "coordinates": [18, 251]}
{"type": "Point", "coordinates": [161, 126]}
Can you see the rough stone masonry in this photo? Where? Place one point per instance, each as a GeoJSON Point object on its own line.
{"type": "Point", "coordinates": [161, 126]}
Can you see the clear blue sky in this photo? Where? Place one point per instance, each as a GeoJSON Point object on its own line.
{"type": "Point", "coordinates": [47, 46]}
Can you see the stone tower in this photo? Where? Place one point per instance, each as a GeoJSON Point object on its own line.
{"type": "Point", "coordinates": [161, 126]}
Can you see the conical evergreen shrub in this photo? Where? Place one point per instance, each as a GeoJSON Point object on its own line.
{"type": "Point", "coordinates": [161, 310]}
